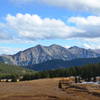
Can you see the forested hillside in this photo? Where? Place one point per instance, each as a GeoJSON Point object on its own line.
{"type": "Point", "coordinates": [56, 64]}
{"type": "Point", "coordinates": [86, 72]}
{"type": "Point", "coordinates": [11, 70]}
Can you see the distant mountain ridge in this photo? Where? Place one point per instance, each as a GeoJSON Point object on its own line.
{"type": "Point", "coordinates": [40, 54]}
{"type": "Point", "coordinates": [58, 64]}
{"type": "Point", "coordinates": [83, 53]}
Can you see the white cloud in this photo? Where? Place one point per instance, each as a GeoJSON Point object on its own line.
{"type": "Point", "coordinates": [67, 46]}
{"type": "Point", "coordinates": [34, 27]}
{"type": "Point", "coordinates": [91, 46]}
{"type": "Point", "coordinates": [91, 43]}
{"type": "Point", "coordinates": [8, 50]}
{"type": "Point", "coordinates": [25, 28]}
{"type": "Point", "coordinates": [90, 25]}
{"type": "Point", "coordinates": [78, 5]}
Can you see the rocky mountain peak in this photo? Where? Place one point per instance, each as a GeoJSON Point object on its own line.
{"type": "Point", "coordinates": [39, 46]}
{"type": "Point", "coordinates": [75, 47]}
{"type": "Point", "coordinates": [40, 53]}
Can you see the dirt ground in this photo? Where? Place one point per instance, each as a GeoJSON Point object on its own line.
{"type": "Point", "coordinates": [44, 89]}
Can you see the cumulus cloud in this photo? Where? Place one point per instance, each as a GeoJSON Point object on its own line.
{"type": "Point", "coordinates": [34, 27]}
{"type": "Point", "coordinates": [90, 25]}
{"type": "Point", "coordinates": [25, 28]}
{"type": "Point", "coordinates": [28, 27]}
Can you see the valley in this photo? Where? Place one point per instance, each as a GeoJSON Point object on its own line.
{"type": "Point", "coordinates": [49, 49]}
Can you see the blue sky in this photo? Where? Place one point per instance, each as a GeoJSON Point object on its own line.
{"type": "Point", "coordinates": [26, 23]}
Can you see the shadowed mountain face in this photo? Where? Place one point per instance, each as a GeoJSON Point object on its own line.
{"type": "Point", "coordinates": [58, 64]}
{"type": "Point", "coordinates": [40, 54]}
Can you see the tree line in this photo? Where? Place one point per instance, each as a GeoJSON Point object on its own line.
{"type": "Point", "coordinates": [87, 72]}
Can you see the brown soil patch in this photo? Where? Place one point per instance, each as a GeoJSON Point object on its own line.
{"type": "Point", "coordinates": [44, 89]}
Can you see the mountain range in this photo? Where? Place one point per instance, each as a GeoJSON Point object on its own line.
{"type": "Point", "coordinates": [40, 54]}
{"type": "Point", "coordinates": [59, 64]}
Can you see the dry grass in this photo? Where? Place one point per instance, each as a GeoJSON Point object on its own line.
{"type": "Point", "coordinates": [82, 91]}
{"type": "Point", "coordinates": [45, 89]}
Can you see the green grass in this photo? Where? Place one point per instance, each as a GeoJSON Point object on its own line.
{"type": "Point", "coordinates": [12, 69]}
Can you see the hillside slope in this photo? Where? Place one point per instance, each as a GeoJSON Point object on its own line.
{"type": "Point", "coordinates": [55, 64]}
{"type": "Point", "coordinates": [11, 69]}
